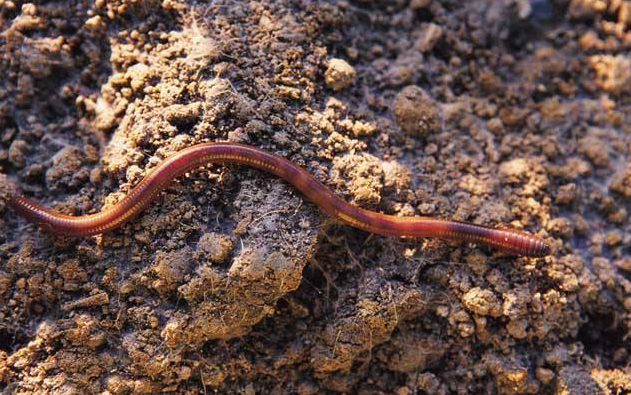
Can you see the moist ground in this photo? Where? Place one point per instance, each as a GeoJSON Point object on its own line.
{"type": "Point", "coordinates": [512, 113]}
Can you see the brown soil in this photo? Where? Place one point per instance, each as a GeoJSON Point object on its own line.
{"type": "Point", "coordinates": [498, 112]}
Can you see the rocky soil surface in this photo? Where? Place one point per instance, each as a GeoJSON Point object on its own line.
{"type": "Point", "coordinates": [511, 112]}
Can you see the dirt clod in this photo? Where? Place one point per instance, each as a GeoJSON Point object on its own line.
{"type": "Point", "coordinates": [482, 302]}
{"type": "Point", "coordinates": [214, 247]}
{"type": "Point", "coordinates": [339, 74]}
{"type": "Point", "coordinates": [415, 112]}
{"type": "Point", "coordinates": [621, 182]}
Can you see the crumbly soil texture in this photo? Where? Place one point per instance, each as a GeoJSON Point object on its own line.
{"type": "Point", "coordinates": [504, 113]}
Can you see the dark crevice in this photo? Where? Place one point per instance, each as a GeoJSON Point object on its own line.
{"type": "Point", "coordinates": [602, 335]}
{"type": "Point", "coordinates": [11, 339]}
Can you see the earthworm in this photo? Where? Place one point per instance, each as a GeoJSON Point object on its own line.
{"type": "Point", "coordinates": [507, 240]}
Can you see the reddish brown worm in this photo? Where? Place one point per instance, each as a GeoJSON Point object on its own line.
{"type": "Point", "coordinates": [507, 240]}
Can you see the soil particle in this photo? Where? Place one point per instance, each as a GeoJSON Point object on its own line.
{"type": "Point", "coordinates": [572, 169]}
{"type": "Point", "coordinates": [85, 330]}
{"type": "Point", "coordinates": [17, 152]}
{"type": "Point", "coordinates": [72, 274]}
{"type": "Point", "coordinates": [613, 73]}
{"type": "Point", "coordinates": [415, 112]}
{"type": "Point", "coordinates": [412, 352]}
{"type": "Point", "coordinates": [566, 194]}
{"type": "Point", "coordinates": [595, 149]}
{"type": "Point", "coordinates": [339, 74]}
{"type": "Point", "coordinates": [362, 175]}
{"type": "Point", "coordinates": [339, 347]}
{"type": "Point", "coordinates": [225, 317]}
{"type": "Point", "coordinates": [430, 34]}
{"type": "Point", "coordinates": [118, 385]}
{"type": "Point", "coordinates": [621, 182]}
{"type": "Point", "coordinates": [511, 377]}
{"type": "Point", "coordinates": [517, 328]}
{"type": "Point", "coordinates": [169, 269]}
{"type": "Point", "coordinates": [585, 9]}
{"type": "Point", "coordinates": [575, 380]}
{"type": "Point", "coordinates": [623, 264]}
{"type": "Point", "coordinates": [66, 170]}
{"type": "Point", "coordinates": [515, 170]}
{"type": "Point", "coordinates": [5, 282]}
{"type": "Point", "coordinates": [544, 375]}
{"type": "Point", "coordinates": [8, 189]}
{"type": "Point", "coordinates": [560, 227]}
{"type": "Point", "coordinates": [611, 381]}
{"type": "Point", "coordinates": [138, 76]}
{"type": "Point", "coordinates": [396, 176]}
{"type": "Point", "coordinates": [482, 302]}
{"type": "Point", "coordinates": [214, 247]}
{"type": "Point", "coordinates": [97, 299]}
{"type": "Point", "coordinates": [605, 271]}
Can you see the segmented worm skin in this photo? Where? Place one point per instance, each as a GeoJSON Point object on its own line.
{"type": "Point", "coordinates": [511, 241]}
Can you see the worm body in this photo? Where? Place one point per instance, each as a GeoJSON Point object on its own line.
{"type": "Point", "coordinates": [511, 241]}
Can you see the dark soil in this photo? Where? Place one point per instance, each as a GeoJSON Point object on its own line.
{"type": "Point", "coordinates": [512, 112]}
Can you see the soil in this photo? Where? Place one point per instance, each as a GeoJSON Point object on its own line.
{"type": "Point", "coordinates": [511, 112]}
